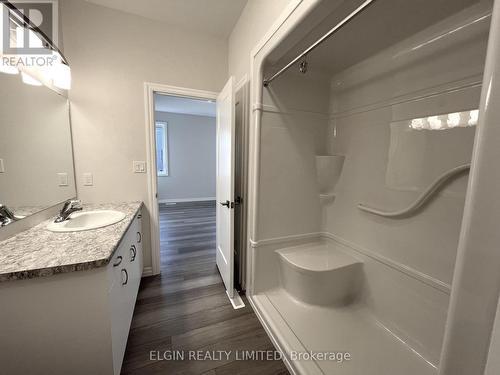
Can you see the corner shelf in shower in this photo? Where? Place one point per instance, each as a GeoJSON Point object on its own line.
{"type": "Point", "coordinates": [328, 170]}
{"type": "Point", "coordinates": [422, 199]}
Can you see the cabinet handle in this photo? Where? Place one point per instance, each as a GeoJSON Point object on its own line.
{"type": "Point", "coordinates": [126, 276]}
{"type": "Point", "coordinates": [139, 216]}
{"type": "Point", "coordinates": [139, 237]}
{"type": "Point", "coordinates": [133, 253]}
{"type": "Point", "coordinates": [118, 261]}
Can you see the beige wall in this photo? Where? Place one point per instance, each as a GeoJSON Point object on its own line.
{"type": "Point", "coordinates": [255, 20]}
{"type": "Point", "coordinates": [111, 55]}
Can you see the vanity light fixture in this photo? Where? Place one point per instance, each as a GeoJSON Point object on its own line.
{"type": "Point", "coordinates": [58, 75]}
{"type": "Point", "coordinates": [446, 121]}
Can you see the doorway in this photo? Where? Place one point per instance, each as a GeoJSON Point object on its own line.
{"type": "Point", "coordinates": [185, 130]}
{"type": "Point", "coordinates": [182, 143]}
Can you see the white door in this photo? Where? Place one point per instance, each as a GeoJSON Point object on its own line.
{"type": "Point", "coordinates": [225, 185]}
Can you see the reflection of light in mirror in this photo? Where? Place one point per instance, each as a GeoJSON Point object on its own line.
{"type": "Point", "coordinates": [435, 123]}
{"type": "Point", "coordinates": [473, 117]}
{"type": "Point", "coordinates": [417, 123]}
{"type": "Point", "coordinates": [453, 119]}
{"type": "Point", "coordinates": [446, 121]}
{"type": "Point", "coordinates": [29, 80]}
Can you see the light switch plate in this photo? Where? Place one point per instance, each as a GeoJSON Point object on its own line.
{"type": "Point", "coordinates": [2, 167]}
{"type": "Point", "coordinates": [63, 179]}
{"type": "Point", "coordinates": [139, 166]}
{"type": "Point", "coordinates": [88, 179]}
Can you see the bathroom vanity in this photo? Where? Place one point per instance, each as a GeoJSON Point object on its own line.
{"type": "Point", "coordinates": [67, 299]}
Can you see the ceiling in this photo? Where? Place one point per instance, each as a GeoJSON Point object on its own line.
{"type": "Point", "coordinates": [175, 104]}
{"type": "Point", "coordinates": [376, 28]}
{"type": "Point", "coordinates": [214, 17]}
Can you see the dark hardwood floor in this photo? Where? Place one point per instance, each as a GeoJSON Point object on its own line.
{"type": "Point", "coordinates": [186, 308]}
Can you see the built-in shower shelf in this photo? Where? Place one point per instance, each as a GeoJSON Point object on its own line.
{"type": "Point", "coordinates": [328, 170]}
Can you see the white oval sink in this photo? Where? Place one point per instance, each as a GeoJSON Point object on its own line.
{"type": "Point", "coordinates": [87, 220]}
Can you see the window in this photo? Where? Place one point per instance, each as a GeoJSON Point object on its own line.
{"type": "Point", "coordinates": [161, 149]}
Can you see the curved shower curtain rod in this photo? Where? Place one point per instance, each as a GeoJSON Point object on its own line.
{"type": "Point", "coordinates": [422, 199]}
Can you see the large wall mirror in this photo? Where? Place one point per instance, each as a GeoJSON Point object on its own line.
{"type": "Point", "coordinates": [36, 155]}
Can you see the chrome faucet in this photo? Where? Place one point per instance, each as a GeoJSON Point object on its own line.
{"type": "Point", "coordinates": [6, 216]}
{"type": "Point", "coordinates": [68, 208]}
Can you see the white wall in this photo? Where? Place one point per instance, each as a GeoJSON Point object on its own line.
{"type": "Point", "coordinates": [111, 55]}
{"type": "Point", "coordinates": [255, 20]}
{"type": "Point", "coordinates": [293, 131]}
{"type": "Point", "coordinates": [191, 157]}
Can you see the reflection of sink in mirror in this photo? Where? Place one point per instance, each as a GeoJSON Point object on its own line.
{"type": "Point", "coordinates": [80, 221]}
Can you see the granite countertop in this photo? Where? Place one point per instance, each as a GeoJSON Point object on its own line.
{"type": "Point", "coordinates": [38, 252]}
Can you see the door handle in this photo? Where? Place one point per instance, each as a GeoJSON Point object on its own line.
{"type": "Point", "coordinates": [226, 203]}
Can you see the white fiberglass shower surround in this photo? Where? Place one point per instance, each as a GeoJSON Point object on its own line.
{"type": "Point", "coordinates": [368, 222]}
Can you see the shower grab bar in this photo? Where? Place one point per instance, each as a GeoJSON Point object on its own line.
{"type": "Point", "coordinates": [332, 31]}
{"type": "Point", "coordinates": [422, 199]}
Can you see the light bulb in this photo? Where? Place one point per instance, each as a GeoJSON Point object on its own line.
{"type": "Point", "coordinates": [434, 122]}
{"type": "Point", "coordinates": [417, 124]}
{"type": "Point", "coordinates": [29, 80]}
{"type": "Point", "coordinates": [473, 117]}
{"type": "Point", "coordinates": [453, 119]}
{"type": "Point", "coordinates": [61, 76]}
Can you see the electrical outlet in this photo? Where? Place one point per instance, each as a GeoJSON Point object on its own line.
{"type": "Point", "coordinates": [88, 179]}
{"type": "Point", "coordinates": [63, 179]}
{"type": "Point", "coordinates": [2, 167]}
{"type": "Point", "coordinates": [139, 166]}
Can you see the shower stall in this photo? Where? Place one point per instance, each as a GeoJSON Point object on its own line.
{"type": "Point", "coordinates": [371, 164]}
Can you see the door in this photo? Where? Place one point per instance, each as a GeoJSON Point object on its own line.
{"type": "Point", "coordinates": [225, 185]}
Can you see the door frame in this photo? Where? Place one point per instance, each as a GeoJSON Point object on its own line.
{"type": "Point", "coordinates": [152, 201]}
{"type": "Point", "coordinates": [243, 87]}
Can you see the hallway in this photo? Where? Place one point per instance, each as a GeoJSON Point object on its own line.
{"type": "Point", "coordinates": [186, 307]}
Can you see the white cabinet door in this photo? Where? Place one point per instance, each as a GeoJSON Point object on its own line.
{"type": "Point", "coordinates": [119, 306]}
{"type": "Point", "coordinates": [126, 274]}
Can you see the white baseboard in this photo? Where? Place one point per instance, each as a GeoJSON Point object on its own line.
{"type": "Point", "coordinates": [179, 200]}
{"type": "Point", "coordinates": [147, 271]}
